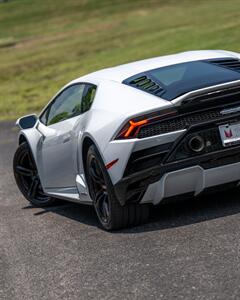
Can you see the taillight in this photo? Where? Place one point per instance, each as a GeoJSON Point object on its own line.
{"type": "Point", "coordinates": [133, 126]}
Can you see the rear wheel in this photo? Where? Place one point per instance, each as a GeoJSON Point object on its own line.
{"type": "Point", "coordinates": [109, 211]}
{"type": "Point", "coordinates": [27, 178]}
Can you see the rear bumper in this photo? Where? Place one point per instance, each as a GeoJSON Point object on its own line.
{"type": "Point", "coordinates": [170, 169]}
{"type": "Point", "coordinates": [180, 177]}
{"type": "Point", "coordinates": [188, 180]}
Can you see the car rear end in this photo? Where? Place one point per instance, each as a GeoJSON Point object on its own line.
{"type": "Point", "coordinates": [186, 149]}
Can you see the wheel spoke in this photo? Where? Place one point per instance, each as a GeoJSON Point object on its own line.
{"type": "Point", "coordinates": [24, 171]}
{"type": "Point", "coordinates": [101, 201]}
{"type": "Point", "coordinates": [98, 199]}
{"type": "Point", "coordinates": [97, 178]}
{"type": "Point", "coordinates": [33, 188]}
{"type": "Point", "coordinates": [105, 208]}
{"type": "Point", "coordinates": [97, 167]}
{"type": "Point", "coordinates": [101, 205]}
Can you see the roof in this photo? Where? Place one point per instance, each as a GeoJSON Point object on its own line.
{"type": "Point", "coordinates": [121, 72]}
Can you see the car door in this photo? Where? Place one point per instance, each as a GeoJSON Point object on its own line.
{"type": "Point", "coordinates": [56, 151]}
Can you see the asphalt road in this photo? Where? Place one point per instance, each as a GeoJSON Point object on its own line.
{"type": "Point", "coordinates": [189, 250]}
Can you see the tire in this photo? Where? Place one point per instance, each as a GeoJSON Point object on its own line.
{"type": "Point", "coordinates": [27, 179]}
{"type": "Point", "coordinates": [111, 214]}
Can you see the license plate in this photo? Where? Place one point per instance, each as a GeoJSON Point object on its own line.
{"type": "Point", "coordinates": [230, 134]}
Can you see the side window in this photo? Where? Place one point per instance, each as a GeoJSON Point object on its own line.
{"type": "Point", "coordinates": [66, 105]}
{"type": "Point", "coordinates": [43, 117]}
{"type": "Point", "coordinates": [88, 96]}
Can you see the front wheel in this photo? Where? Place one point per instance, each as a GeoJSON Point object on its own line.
{"type": "Point", "coordinates": [110, 213]}
{"type": "Point", "coordinates": [27, 178]}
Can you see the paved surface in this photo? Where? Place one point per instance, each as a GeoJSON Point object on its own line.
{"type": "Point", "coordinates": [188, 250]}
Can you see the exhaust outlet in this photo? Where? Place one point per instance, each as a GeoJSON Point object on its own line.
{"type": "Point", "coordinates": [196, 143]}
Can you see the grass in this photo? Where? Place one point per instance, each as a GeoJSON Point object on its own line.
{"type": "Point", "coordinates": [44, 44]}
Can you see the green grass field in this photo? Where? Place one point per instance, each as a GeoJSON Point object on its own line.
{"type": "Point", "coordinates": [46, 43]}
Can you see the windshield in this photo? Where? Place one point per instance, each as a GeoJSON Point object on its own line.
{"type": "Point", "coordinates": [179, 79]}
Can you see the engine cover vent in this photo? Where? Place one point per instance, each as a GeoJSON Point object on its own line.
{"type": "Point", "coordinates": [230, 63]}
{"type": "Point", "coordinates": [145, 83]}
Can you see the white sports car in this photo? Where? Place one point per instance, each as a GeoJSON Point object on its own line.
{"type": "Point", "coordinates": [126, 137]}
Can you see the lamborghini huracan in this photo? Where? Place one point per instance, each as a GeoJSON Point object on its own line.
{"type": "Point", "coordinates": [124, 138]}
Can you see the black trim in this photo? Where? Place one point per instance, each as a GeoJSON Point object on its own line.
{"type": "Point", "coordinates": [146, 158]}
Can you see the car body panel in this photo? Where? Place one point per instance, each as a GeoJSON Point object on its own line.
{"type": "Point", "coordinates": [56, 155]}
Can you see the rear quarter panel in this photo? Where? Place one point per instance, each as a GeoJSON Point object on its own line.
{"type": "Point", "coordinates": [114, 105]}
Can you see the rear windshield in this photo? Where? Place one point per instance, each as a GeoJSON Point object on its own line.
{"type": "Point", "coordinates": [179, 79]}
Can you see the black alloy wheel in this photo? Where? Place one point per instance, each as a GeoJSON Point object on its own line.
{"type": "Point", "coordinates": [27, 177]}
{"type": "Point", "coordinates": [111, 214]}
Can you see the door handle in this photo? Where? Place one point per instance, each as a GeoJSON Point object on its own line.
{"type": "Point", "coordinates": [66, 139]}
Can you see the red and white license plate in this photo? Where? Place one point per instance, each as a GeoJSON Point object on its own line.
{"type": "Point", "coordinates": [230, 134]}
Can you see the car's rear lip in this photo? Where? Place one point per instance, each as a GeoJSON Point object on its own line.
{"type": "Point", "coordinates": [193, 180]}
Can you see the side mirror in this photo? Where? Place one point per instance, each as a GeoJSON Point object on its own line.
{"type": "Point", "coordinates": [27, 121]}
